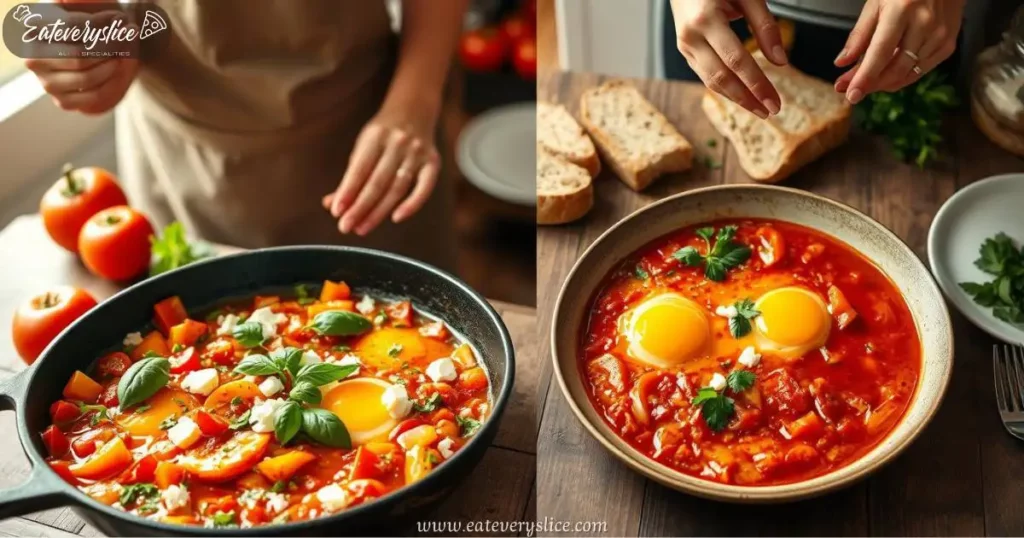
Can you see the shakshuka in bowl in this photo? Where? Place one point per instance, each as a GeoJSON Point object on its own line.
{"type": "Point", "coordinates": [752, 343]}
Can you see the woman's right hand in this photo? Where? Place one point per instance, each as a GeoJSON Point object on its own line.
{"type": "Point", "coordinates": [718, 56]}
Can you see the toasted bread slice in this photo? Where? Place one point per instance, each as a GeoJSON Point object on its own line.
{"type": "Point", "coordinates": [813, 120]}
{"type": "Point", "coordinates": [565, 191]}
{"type": "Point", "coordinates": [633, 137]}
{"type": "Point", "coordinates": [558, 132]}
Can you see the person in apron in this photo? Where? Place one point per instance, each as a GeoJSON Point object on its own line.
{"type": "Point", "coordinates": [283, 122]}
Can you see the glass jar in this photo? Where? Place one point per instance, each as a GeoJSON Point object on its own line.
{"type": "Point", "coordinates": [997, 89]}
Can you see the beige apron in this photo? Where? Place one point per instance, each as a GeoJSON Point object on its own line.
{"type": "Point", "coordinates": [248, 117]}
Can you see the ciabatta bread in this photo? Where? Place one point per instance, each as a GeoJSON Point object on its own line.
{"type": "Point", "coordinates": [558, 132]}
{"type": "Point", "coordinates": [633, 137]}
{"type": "Point", "coordinates": [564, 190]}
{"type": "Point", "coordinates": [813, 120]}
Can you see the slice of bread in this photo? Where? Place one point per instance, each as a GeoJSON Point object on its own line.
{"type": "Point", "coordinates": [813, 120]}
{"type": "Point", "coordinates": [559, 133]}
{"type": "Point", "coordinates": [633, 137]}
{"type": "Point", "coordinates": [565, 191]}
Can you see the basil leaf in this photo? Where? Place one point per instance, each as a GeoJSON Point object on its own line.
{"type": "Point", "coordinates": [258, 365]}
{"type": "Point", "coordinates": [288, 359]}
{"type": "Point", "coordinates": [319, 374]}
{"type": "Point", "coordinates": [325, 428]}
{"type": "Point", "coordinates": [249, 334]}
{"type": "Point", "coordinates": [287, 422]}
{"type": "Point", "coordinates": [340, 323]}
{"type": "Point", "coordinates": [142, 380]}
{"type": "Point", "coordinates": [242, 421]}
{"type": "Point", "coordinates": [306, 392]}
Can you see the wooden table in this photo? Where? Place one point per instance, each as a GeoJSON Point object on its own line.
{"type": "Point", "coordinates": [499, 489]}
{"type": "Point", "coordinates": [961, 477]}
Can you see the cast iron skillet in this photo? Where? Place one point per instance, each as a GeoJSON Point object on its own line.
{"type": "Point", "coordinates": [207, 283]}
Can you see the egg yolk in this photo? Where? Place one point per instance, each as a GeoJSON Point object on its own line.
{"type": "Point", "coordinates": [357, 403]}
{"type": "Point", "coordinates": [667, 330]}
{"type": "Point", "coordinates": [792, 316]}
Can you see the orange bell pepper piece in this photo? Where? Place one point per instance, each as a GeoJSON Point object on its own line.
{"type": "Point", "coordinates": [283, 467]}
{"type": "Point", "coordinates": [187, 332]}
{"type": "Point", "coordinates": [168, 313]}
{"type": "Point", "coordinates": [334, 291]}
{"type": "Point", "coordinates": [82, 387]}
{"type": "Point", "coordinates": [152, 342]}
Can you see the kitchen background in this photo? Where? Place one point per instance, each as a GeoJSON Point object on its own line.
{"type": "Point", "coordinates": [496, 237]}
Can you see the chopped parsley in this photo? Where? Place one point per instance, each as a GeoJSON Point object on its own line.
{"type": "Point", "coordinates": [394, 350]}
{"type": "Point", "coordinates": [101, 412]}
{"type": "Point", "coordinates": [739, 325]}
{"type": "Point", "coordinates": [428, 404]}
{"type": "Point", "coordinates": [142, 409]}
{"type": "Point", "coordinates": [302, 295]}
{"type": "Point", "coordinates": [242, 421]}
{"type": "Point", "coordinates": [137, 492]}
{"type": "Point", "coordinates": [236, 401]}
{"type": "Point", "coordinates": [717, 408]}
{"type": "Point", "coordinates": [168, 423]}
{"type": "Point", "coordinates": [279, 486]}
{"type": "Point", "coordinates": [640, 273]}
{"type": "Point", "coordinates": [223, 519]}
{"type": "Point", "coordinates": [722, 255]}
{"type": "Point", "coordinates": [177, 348]}
{"type": "Point", "coordinates": [467, 425]}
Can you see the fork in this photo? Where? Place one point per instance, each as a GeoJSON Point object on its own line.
{"type": "Point", "coordinates": [1008, 370]}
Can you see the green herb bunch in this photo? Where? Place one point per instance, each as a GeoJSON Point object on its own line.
{"type": "Point", "coordinates": [910, 118]}
{"type": "Point", "coordinates": [998, 256]}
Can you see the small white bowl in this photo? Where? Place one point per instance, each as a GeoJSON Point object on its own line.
{"type": "Point", "coordinates": [970, 216]}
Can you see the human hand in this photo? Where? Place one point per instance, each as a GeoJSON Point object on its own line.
{"type": "Point", "coordinates": [897, 41]}
{"type": "Point", "coordinates": [89, 85]}
{"type": "Point", "coordinates": [394, 154]}
{"type": "Point", "coordinates": [716, 54]}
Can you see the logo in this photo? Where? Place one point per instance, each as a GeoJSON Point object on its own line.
{"type": "Point", "coordinates": [80, 30]}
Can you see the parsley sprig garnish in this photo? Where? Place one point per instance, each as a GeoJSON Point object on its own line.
{"type": "Point", "coordinates": [739, 325]}
{"type": "Point", "coordinates": [1005, 295]}
{"type": "Point", "coordinates": [717, 408]}
{"type": "Point", "coordinates": [722, 255]}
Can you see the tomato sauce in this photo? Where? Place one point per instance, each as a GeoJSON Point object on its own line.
{"type": "Point", "coordinates": [806, 412]}
{"type": "Point", "coordinates": [268, 410]}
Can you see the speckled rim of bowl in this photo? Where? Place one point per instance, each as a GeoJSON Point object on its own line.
{"type": "Point", "coordinates": [838, 220]}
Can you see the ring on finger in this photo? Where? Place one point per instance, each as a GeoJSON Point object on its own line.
{"type": "Point", "coordinates": [916, 70]}
{"type": "Point", "coordinates": [912, 55]}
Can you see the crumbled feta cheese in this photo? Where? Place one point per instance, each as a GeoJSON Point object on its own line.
{"type": "Point", "coordinates": [271, 386]}
{"type": "Point", "coordinates": [396, 401]}
{"type": "Point", "coordinates": [749, 357]}
{"type": "Point", "coordinates": [366, 305]}
{"type": "Point", "coordinates": [758, 457]}
{"type": "Point", "coordinates": [185, 433]}
{"type": "Point", "coordinates": [268, 320]}
{"type": "Point", "coordinates": [442, 370]}
{"type": "Point", "coordinates": [132, 339]}
{"type": "Point", "coordinates": [718, 469]}
{"type": "Point", "coordinates": [276, 502]}
{"type": "Point", "coordinates": [226, 324]}
{"type": "Point", "coordinates": [446, 447]}
{"type": "Point", "coordinates": [332, 497]}
{"type": "Point", "coordinates": [262, 415]}
{"type": "Point", "coordinates": [250, 497]}
{"type": "Point", "coordinates": [175, 497]}
{"type": "Point", "coordinates": [785, 433]}
{"type": "Point", "coordinates": [726, 311]}
{"type": "Point", "coordinates": [310, 357]}
{"type": "Point", "coordinates": [717, 382]}
{"type": "Point", "coordinates": [201, 381]}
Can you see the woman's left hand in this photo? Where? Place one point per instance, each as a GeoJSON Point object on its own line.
{"type": "Point", "coordinates": [392, 170]}
{"type": "Point", "coordinates": [899, 40]}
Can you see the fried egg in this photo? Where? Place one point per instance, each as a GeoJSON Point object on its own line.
{"type": "Point", "coordinates": [665, 330]}
{"type": "Point", "coordinates": [793, 321]}
{"type": "Point", "coordinates": [357, 402]}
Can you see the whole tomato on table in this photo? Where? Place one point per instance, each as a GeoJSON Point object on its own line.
{"type": "Point", "coordinates": [524, 58]}
{"type": "Point", "coordinates": [43, 317]}
{"type": "Point", "coordinates": [114, 243]}
{"type": "Point", "coordinates": [517, 27]}
{"type": "Point", "coordinates": [483, 50]}
{"type": "Point", "coordinates": [79, 194]}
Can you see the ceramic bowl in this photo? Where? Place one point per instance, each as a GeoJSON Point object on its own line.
{"type": "Point", "coordinates": [859, 231]}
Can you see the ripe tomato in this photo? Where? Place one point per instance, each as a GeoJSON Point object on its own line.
{"type": "Point", "coordinates": [114, 243]}
{"type": "Point", "coordinates": [483, 50]}
{"type": "Point", "coordinates": [524, 58]}
{"type": "Point", "coordinates": [76, 196]}
{"type": "Point", "coordinates": [43, 317]}
{"type": "Point", "coordinates": [517, 27]}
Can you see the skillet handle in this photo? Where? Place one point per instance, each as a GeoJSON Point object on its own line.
{"type": "Point", "coordinates": [42, 489]}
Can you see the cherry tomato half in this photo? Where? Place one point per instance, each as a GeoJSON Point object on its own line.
{"type": "Point", "coordinates": [38, 321]}
{"type": "Point", "coordinates": [79, 194]}
{"type": "Point", "coordinates": [114, 243]}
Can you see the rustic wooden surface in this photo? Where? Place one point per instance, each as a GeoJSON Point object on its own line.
{"type": "Point", "coordinates": [31, 263]}
{"type": "Point", "coordinates": [961, 477]}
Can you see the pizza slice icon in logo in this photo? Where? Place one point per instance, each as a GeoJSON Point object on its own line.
{"type": "Point", "coordinates": [152, 23]}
